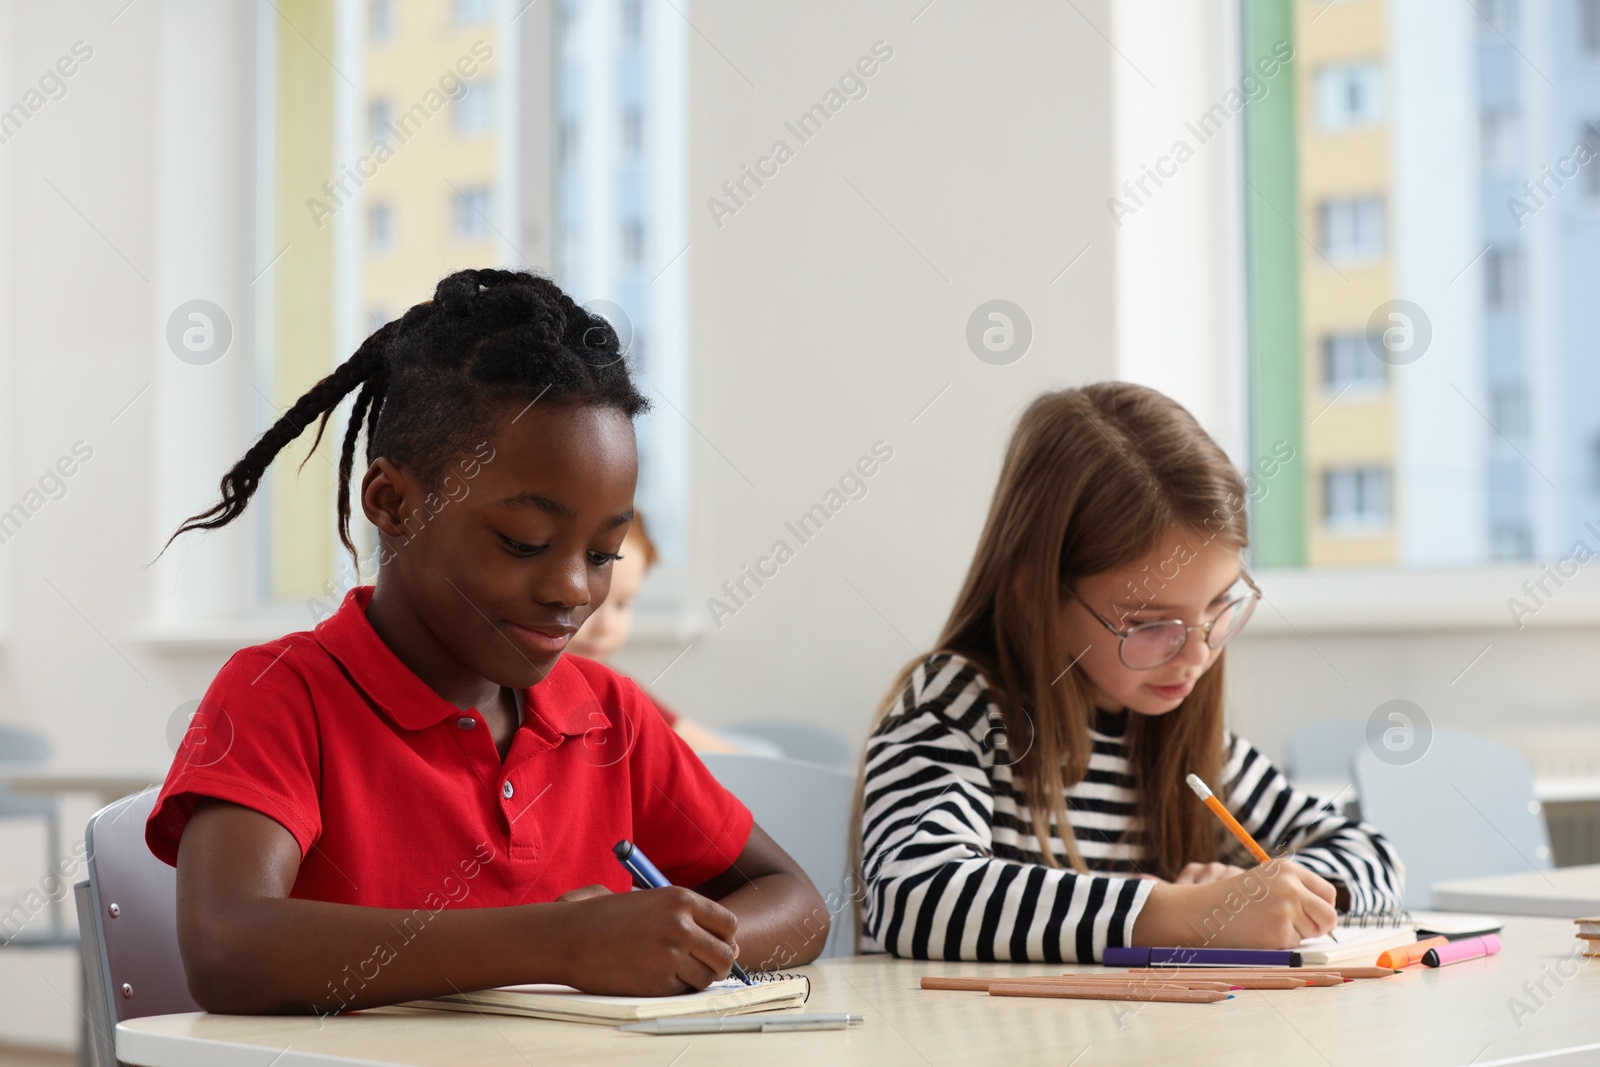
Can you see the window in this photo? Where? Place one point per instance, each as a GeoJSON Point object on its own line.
{"type": "Point", "coordinates": [1348, 363]}
{"type": "Point", "coordinates": [633, 132]}
{"type": "Point", "coordinates": [380, 225]}
{"type": "Point", "coordinates": [1500, 138]}
{"type": "Point", "coordinates": [1508, 410]}
{"type": "Point", "coordinates": [1502, 278]}
{"type": "Point", "coordinates": [1509, 540]}
{"type": "Point", "coordinates": [1589, 27]}
{"type": "Point", "coordinates": [1347, 96]}
{"type": "Point", "coordinates": [380, 20]}
{"type": "Point", "coordinates": [466, 12]}
{"type": "Point", "coordinates": [632, 22]}
{"type": "Point", "coordinates": [471, 214]}
{"type": "Point", "coordinates": [474, 110]}
{"type": "Point", "coordinates": [1590, 135]}
{"type": "Point", "coordinates": [1355, 499]}
{"type": "Point", "coordinates": [633, 243]}
{"type": "Point", "coordinates": [620, 191]}
{"type": "Point", "coordinates": [1352, 229]}
{"type": "Point", "coordinates": [1496, 17]}
{"type": "Point", "coordinates": [378, 115]}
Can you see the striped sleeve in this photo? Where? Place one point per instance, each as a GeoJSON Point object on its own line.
{"type": "Point", "coordinates": [1322, 839]}
{"type": "Point", "coordinates": [935, 888]}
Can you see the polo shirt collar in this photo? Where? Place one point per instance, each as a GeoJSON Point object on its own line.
{"type": "Point", "coordinates": [562, 704]}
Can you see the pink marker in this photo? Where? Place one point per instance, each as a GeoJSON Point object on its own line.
{"type": "Point", "coordinates": [1468, 948]}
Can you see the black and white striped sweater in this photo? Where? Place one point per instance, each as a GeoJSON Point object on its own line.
{"type": "Point", "coordinates": [954, 869]}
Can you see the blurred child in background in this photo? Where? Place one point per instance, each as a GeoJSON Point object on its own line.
{"type": "Point", "coordinates": [610, 625]}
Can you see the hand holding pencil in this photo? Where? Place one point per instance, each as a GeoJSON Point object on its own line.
{"type": "Point", "coordinates": [1271, 906]}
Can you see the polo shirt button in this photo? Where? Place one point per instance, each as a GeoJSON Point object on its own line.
{"type": "Point", "coordinates": [506, 790]}
{"type": "Point", "coordinates": [466, 722]}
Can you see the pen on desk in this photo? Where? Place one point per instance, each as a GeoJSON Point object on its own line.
{"type": "Point", "coordinates": [734, 1024]}
{"type": "Point", "coordinates": [646, 876]}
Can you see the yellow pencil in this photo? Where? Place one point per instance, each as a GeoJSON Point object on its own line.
{"type": "Point", "coordinates": [1227, 818]}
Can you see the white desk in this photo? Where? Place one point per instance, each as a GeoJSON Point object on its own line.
{"type": "Point", "coordinates": [1564, 893]}
{"type": "Point", "coordinates": [48, 778]}
{"type": "Point", "coordinates": [1453, 1015]}
{"type": "Point", "coordinates": [1549, 789]}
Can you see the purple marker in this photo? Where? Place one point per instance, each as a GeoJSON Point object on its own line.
{"type": "Point", "coordinates": [1199, 957]}
{"type": "Point", "coordinates": [1468, 948]}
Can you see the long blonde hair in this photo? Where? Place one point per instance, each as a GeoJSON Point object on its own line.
{"type": "Point", "coordinates": [1093, 479]}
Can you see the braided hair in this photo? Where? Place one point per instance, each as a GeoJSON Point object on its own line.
{"type": "Point", "coordinates": [429, 382]}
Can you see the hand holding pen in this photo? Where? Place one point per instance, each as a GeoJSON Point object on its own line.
{"type": "Point", "coordinates": [646, 876]}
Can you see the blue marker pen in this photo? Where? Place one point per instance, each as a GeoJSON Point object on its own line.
{"type": "Point", "coordinates": [645, 876]}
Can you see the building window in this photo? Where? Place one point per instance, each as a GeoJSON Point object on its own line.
{"type": "Point", "coordinates": [1508, 409]}
{"type": "Point", "coordinates": [474, 110]}
{"type": "Point", "coordinates": [633, 132]}
{"type": "Point", "coordinates": [378, 116]}
{"type": "Point", "coordinates": [1355, 498]}
{"type": "Point", "coordinates": [1348, 96]}
{"type": "Point", "coordinates": [1348, 362]}
{"type": "Point", "coordinates": [1589, 28]}
{"type": "Point", "coordinates": [1496, 18]}
{"type": "Point", "coordinates": [633, 243]}
{"type": "Point", "coordinates": [466, 12]}
{"type": "Point", "coordinates": [1590, 135]}
{"type": "Point", "coordinates": [380, 228]}
{"type": "Point", "coordinates": [632, 23]}
{"type": "Point", "coordinates": [471, 214]}
{"type": "Point", "coordinates": [380, 20]}
{"type": "Point", "coordinates": [1510, 540]}
{"type": "Point", "coordinates": [1501, 141]}
{"type": "Point", "coordinates": [1352, 229]}
{"type": "Point", "coordinates": [1502, 278]}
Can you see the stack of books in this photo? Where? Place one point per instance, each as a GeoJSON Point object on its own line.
{"type": "Point", "coordinates": [1589, 935]}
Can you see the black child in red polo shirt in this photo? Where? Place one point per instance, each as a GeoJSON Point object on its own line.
{"type": "Point", "coordinates": [421, 794]}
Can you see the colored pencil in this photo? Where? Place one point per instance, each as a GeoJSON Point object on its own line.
{"type": "Point", "coordinates": [1021, 987]}
{"type": "Point", "coordinates": [1204, 793]}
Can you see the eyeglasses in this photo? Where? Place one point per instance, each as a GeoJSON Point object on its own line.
{"type": "Point", "coordinates": [1148, 645]}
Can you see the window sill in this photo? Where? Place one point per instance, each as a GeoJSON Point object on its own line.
{"type": "Point", "coordinates": [653, 629]}
{"type": "Point", "coordinates": [1334, 600]}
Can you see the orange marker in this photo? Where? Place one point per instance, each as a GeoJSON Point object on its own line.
{"type": "Point", "coordinates": [1407, 955]}
{"type": "Point", "coordinates": [1227, 818]}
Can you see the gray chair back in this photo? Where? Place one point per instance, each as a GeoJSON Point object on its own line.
{"type": "Point", "coordinates": [1464, 808]}
{"type": "Point", "coordinates": [128, 920]}
{"type": "Point", "coordinates": [798, 741]}
{"type": "Point", "coordinates": [805, 808]}
{"type": "Point", "coordinates": [1323, 749]}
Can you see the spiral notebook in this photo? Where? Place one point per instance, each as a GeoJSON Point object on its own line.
{"type": "Point", "coordinates": [772, 990]}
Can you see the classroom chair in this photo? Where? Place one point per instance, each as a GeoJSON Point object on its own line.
{"type": "Point", "coordinates": [1323, 749]}
{"type": "Point", "coordinates": [797, 740]}
{"type": "Point", "coordinates": [1465, 809]}
{"type": "Point", "coordinates": [128, 919]}
{"type": "Point", "coordinates": [806, 809]}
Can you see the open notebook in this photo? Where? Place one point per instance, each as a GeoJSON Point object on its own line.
{"type": "Point", "coordinates": [1354, 945]}
{"type": "Point", "coordinates": [771, 990]}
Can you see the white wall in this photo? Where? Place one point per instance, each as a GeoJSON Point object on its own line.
{"type": "Point", "coordinates": [832, 307]}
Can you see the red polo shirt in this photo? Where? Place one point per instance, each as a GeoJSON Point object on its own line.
{"type": "Point", "coordinates": [398, 798]}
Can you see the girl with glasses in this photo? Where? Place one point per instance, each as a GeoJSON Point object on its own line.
{"type": "Point", "coordinates": [1023, 794]}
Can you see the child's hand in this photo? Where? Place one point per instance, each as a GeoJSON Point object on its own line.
{"type": "Point", "coordinates": [1272, 906]}
{"type": "Point", "coordinates": [651, 943]}
{"type": "Point", "coordinates": [1201, 873]}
